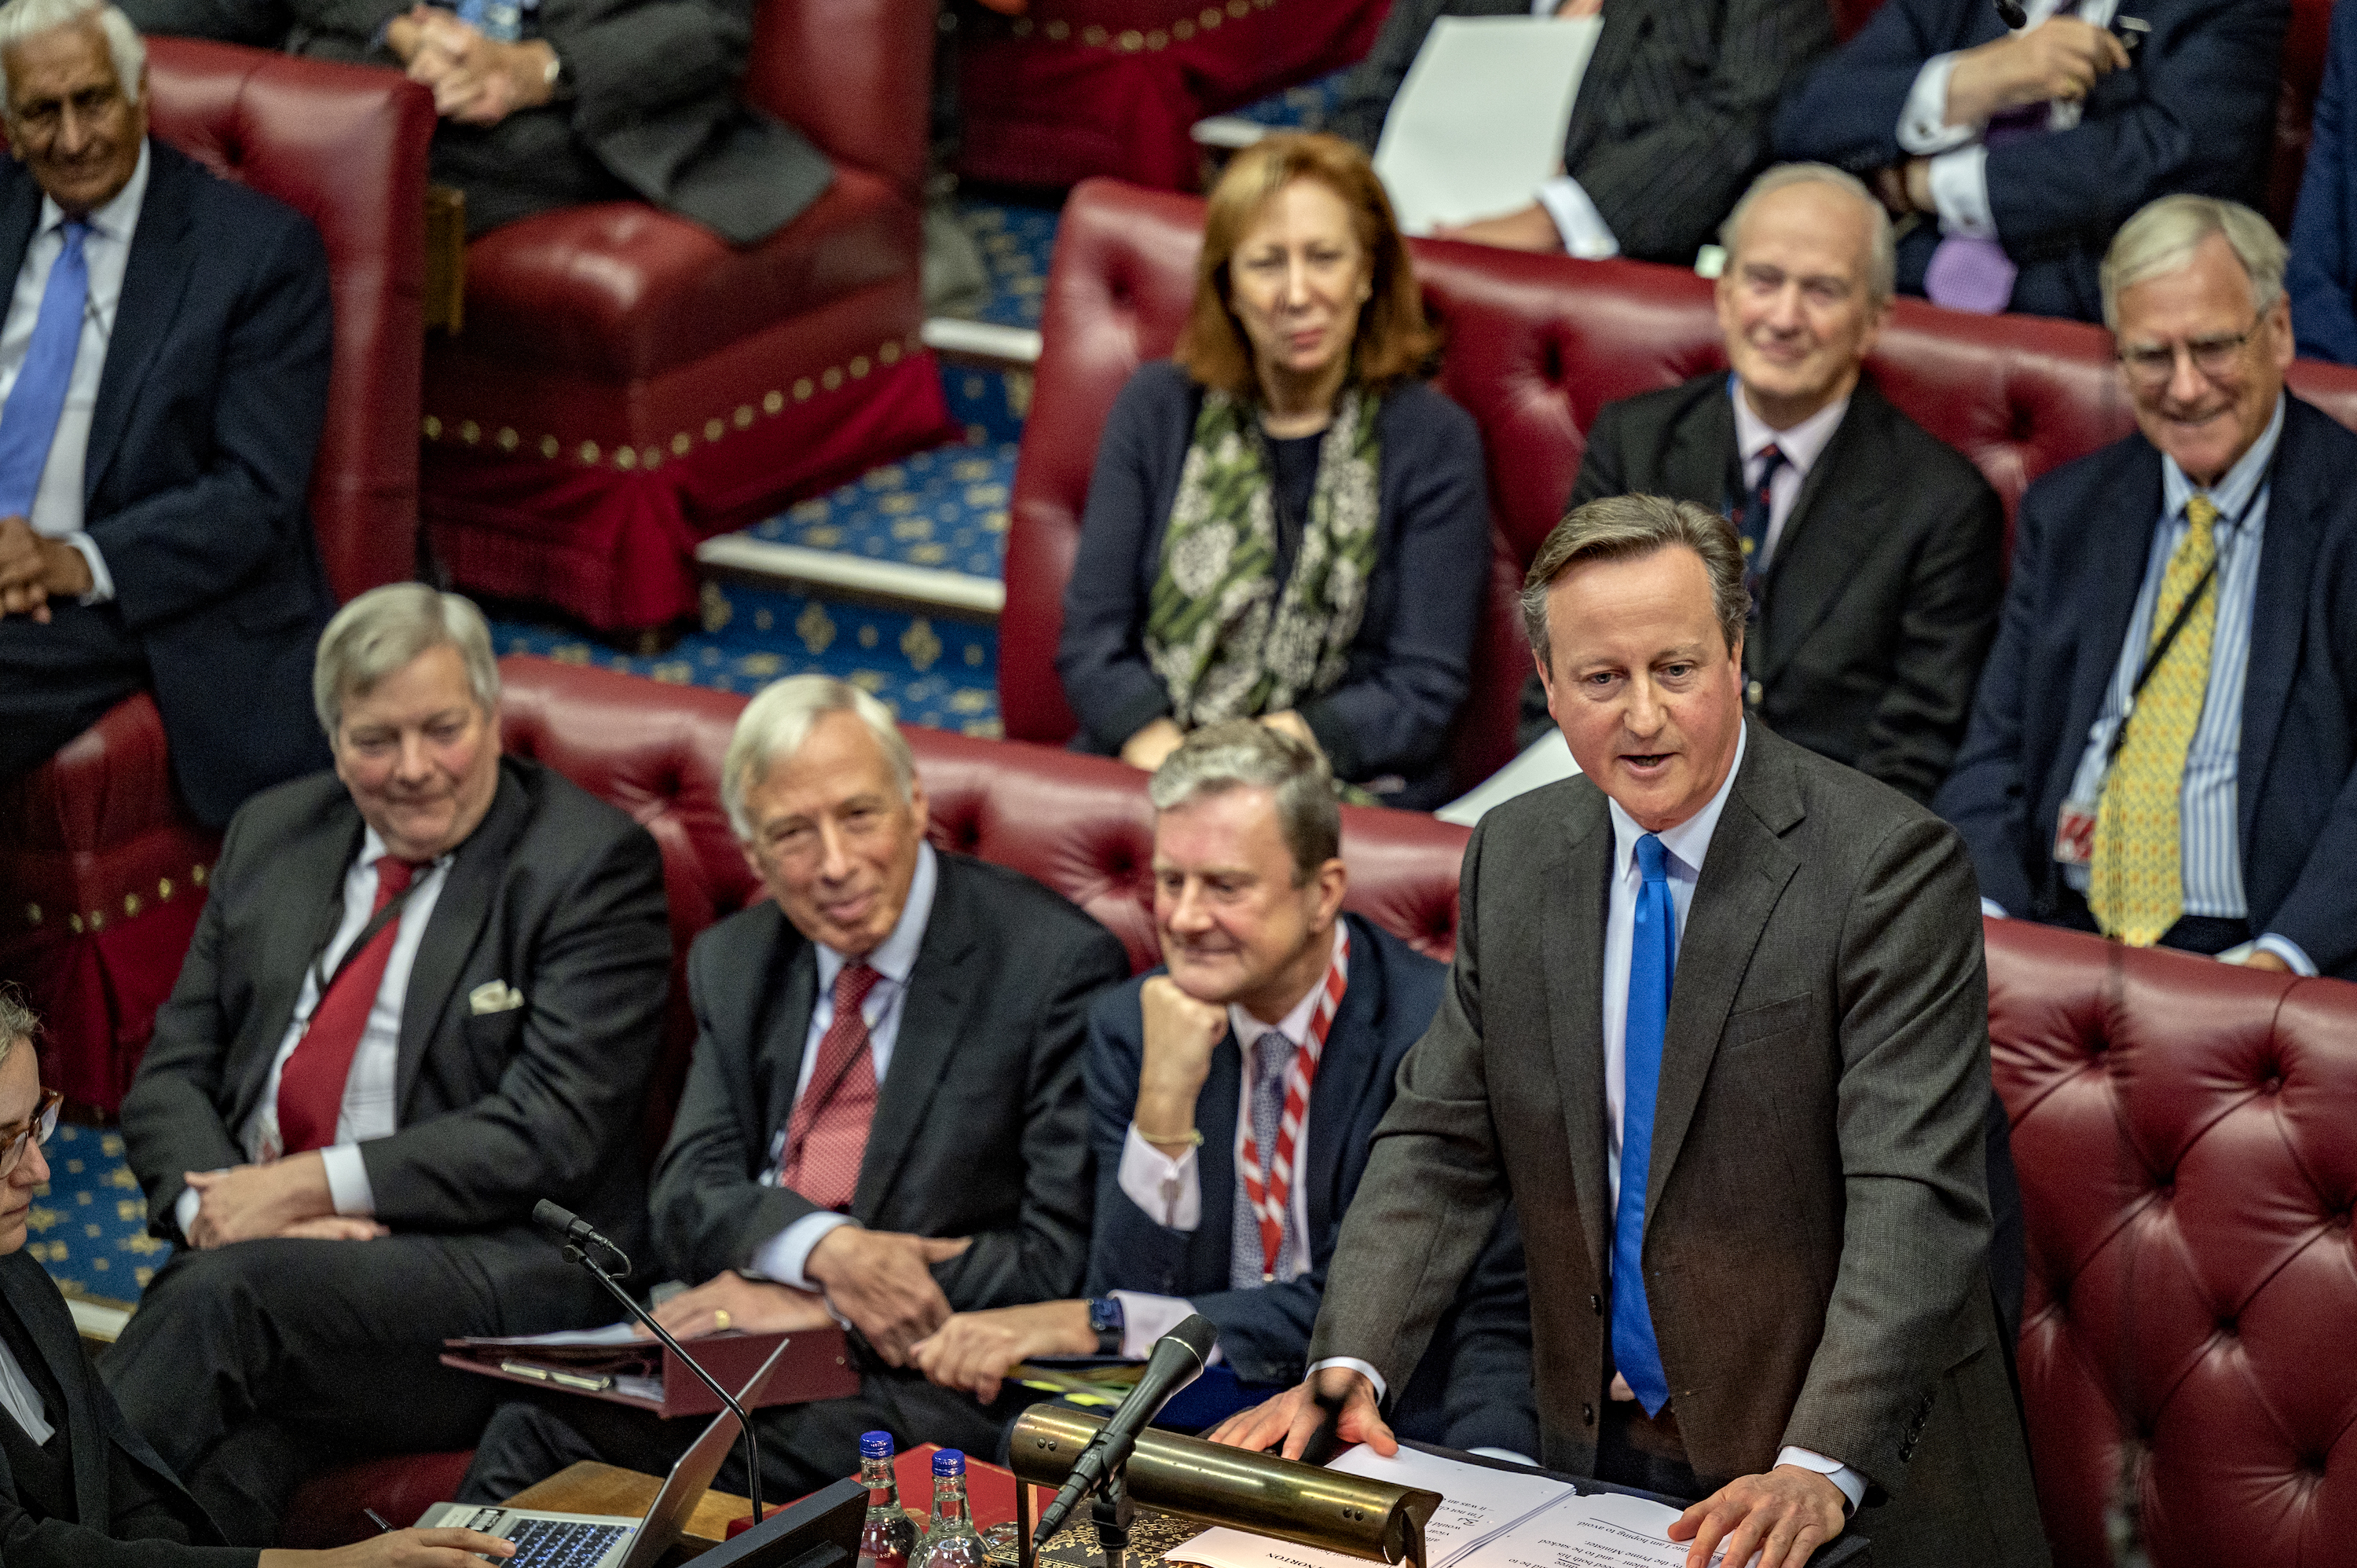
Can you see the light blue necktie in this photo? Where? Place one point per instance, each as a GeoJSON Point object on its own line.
{"type": "Point", "coordinates": [29, 421]}
{"type": "Point", "coordinates": [1271, 1055]}
{"type": "Point", "coordinates": [1653, 959]}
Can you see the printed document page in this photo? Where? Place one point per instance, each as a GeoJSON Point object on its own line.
{"type": "Point", "coordinates": [1479, 123]}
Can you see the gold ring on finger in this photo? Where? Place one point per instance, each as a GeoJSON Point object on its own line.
{"type": "Point", "coordinates": [720, 1319]}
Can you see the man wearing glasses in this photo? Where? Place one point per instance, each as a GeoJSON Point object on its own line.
{"type": "Point", "coordinates": [2163, 745]}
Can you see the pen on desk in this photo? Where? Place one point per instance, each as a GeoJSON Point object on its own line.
{"type": "Point", "coordinates": [378, 1520]}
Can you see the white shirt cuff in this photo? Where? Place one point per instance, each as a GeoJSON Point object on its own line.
{"type": "Point", "coordinates": [1168, 1192]}
{"type": "Point", "coordinates": [1852, 1484]}
{"type": "Point", "coordinates": [347, 1179]}
{"type": "Point", "coordinates": [2291, 951]}
{"type": "Point", "coordinates": [1923, 127]}
{"type": "Point", "coordinates": [1959, 190]}
{"type": "Point", "coordinates": [1585, 233]}
{"type": "Point", "coordinates": [184, 1211]}
{"type": "Point", "coordinates": [1994, 910]}
{"type": "Point", "coordinates": [1145, 1318]}
{"type": "Point", "coordinates": [102, 581]}
{"type": "Point", "coordinates": [1354, 1364]}
{"type": "Point", "coordinates": [782, 1258]}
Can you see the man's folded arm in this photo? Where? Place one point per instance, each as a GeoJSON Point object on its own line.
{"type": "Point", "coordinates": [2321, 914]}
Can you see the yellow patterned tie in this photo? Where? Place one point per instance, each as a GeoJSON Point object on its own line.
{"type": "Point", "coordinates": [2137, 885]}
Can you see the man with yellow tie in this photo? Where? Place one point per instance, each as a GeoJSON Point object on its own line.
{"type": "Point", "coordinates": [2164, 746]}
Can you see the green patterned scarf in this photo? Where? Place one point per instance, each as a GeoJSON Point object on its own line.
{"type": "Point", "coordinates": [1226, 643]}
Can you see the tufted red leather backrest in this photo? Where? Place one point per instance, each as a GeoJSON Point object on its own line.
{"type": "Point", "coordinates": [2186, 1134]}
{"type": "Point", "coordinates": [853, 76]}
{"type": "Point", "coordinates": [345, 146]}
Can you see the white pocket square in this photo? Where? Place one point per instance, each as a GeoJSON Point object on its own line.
{"type": "Point", "coordinates": [494, 996]}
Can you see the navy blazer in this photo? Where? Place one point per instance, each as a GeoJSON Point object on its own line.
{"type": "Point", "coordinates": [2323, 273]}
{"type": "Point", "coordinates": [2194, 112]}
{"type": "Point", "coordinates": [1473, 1388]}
{"type": "Point", "coordinates": [2084, 538]}
{"type": "Point", "coordinates": [200, 461]}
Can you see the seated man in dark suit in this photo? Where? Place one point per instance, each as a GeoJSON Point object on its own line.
{"type": "Point", "coordinates": [2164, 747]}
{"type": "Point", "coordinates": [2323, 275]}
{"type": "Point", "coordinates": [2016, 155]}
{"type": "Point", "coordinates": [559, 103]}
{"type": "Point", "coordinates": [884, 1116]}
{"type": "Point", "coordinates": [423, 994]}
{"type": "Point", "coordinates": [163, 374]}
{"type": "Point", "coordinates": [1195, 1137]}
{"type": "Point", "coordinates": [1672, 116]}
{"type": "Point", "coordinates": [1874, 552]}
{"type": "Point", "coordinates": [78, 1487]}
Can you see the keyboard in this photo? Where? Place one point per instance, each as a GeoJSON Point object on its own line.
{"type": "Point", "coordinates": [560, 1543]}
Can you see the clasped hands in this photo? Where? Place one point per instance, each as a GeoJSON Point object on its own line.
{"type": "Point", "coordinates": [286, 1197]}
{"type": "Point", "coordinates": [2062, 58]}
{"type": "Point", "coordinates": [1784, 1515]}
{"type": "Point", "coordinates": [477, 80]}
{"type": "Point", "coordinates": [34, 570]}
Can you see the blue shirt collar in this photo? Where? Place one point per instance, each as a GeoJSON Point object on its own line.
{"type": "Point", "coordinates": [2232, 495]}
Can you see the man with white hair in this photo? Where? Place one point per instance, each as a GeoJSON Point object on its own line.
{"type": "Point", "coordinates": [425, 993]}
{"type": "Point", "coordinates": [884, 1120]}
{"type": "Point", "coordinates": [163, 372]}
{"type": "Point", "coordinates": [2164, 747]}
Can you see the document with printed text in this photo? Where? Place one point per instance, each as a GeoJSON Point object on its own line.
{"type": "Point", "coordinates": [1479, 123]}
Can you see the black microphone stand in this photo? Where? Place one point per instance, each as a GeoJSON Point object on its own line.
{"type": "Point", "coordinates": [1110, 1509]}
{"type": "Point", "coordinates": [577, 1252]}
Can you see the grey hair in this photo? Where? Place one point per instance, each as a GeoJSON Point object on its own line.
{"type": "Point", "coordinates": [22, 20]}
{"type": "Point", "coordinates": [1613, 527]}
{"type": "Point", "coordinates": [2163, 235]}
{"type": "Point", "coordinates": [1882, 246]}
{"type": "Point", "coordinates": [18, 1023]}
{"type": "Point", "coordinates": [775, 724]}
{"type": "Point", "coordinates": [1242, 754]}
{"type": "Point", "coordinates": [384, 630]}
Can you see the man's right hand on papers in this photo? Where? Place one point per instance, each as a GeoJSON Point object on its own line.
{"type": "Point", "coordinates": [1293, 1416]}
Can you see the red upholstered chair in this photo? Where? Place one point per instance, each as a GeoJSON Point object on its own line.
{"type": "Point", "coordinates": [1077, 88]}
{"type": "Point", "coordinates": [100, 872]}
{"type": "Point", "coordinates": [2186, 1134]}
{"type": "Point", "coordinates": [628, 382]}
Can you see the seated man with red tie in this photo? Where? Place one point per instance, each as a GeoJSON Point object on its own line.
{"type": "Point", "coordinates": [423, 994]}
{"type": "Point", "coordinates": [883, 1121]}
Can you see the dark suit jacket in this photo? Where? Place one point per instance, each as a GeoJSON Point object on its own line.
{"type": "Point", "coordinates": [198, 464]}
{"type": "Point", "coordinates": [133, 1512]}
{"type": "Point", "coordinates": [2195, 112]}
{"type": "Point", "coordinates": [2083, 537]}
{"type": "Point", "coordinates": [2322, 276]}
{"type": "Point", "coordinates": [1474, 1389]}
{"type": "Point", "coordinates": [1816, 1219]}
{"type": "Point", "coordinates": [980, 1125]}
{"type": "Point", "coordinates": [1672, 118]}
{"type": "Point", "coordinates": [653, 111]}
{"type": "Point", "coordinates": [557, 893]}
{"type": "Point", "coordinates": [1881, 599]}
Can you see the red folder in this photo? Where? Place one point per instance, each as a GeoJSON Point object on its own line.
{"type": "Point", "coordinates": [648, 1376]}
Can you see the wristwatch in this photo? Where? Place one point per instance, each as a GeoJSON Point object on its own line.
{"type": "Point", "coordinates": [1106, 1322]}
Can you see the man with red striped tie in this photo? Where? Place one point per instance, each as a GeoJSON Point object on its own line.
{"type": "Point", "coordinates": [884, 1120]}
{"type": "Point", "coordinates": [423, 994]}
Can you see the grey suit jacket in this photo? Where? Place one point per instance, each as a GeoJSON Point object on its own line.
{"type": "Point", "coordinates": [1815, 1217]}
{"type": "Point", "coordinates": [1673, 116]}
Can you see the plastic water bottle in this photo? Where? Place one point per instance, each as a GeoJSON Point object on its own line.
{"type": "Point", "coordinates": [950, 1540]}
{"type": "Point", "coordinates": [889, 1536]}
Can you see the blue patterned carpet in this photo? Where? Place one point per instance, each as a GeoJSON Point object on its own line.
{"type": "Point", "coordinates": [945, 509]}
{"type": "Point", "coordinates": [90, 1224]}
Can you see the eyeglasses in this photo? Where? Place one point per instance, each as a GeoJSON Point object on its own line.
{"type": "Point", "coordinates": [37, 1130]}
{"type": "Point", "coordinates": [2151, 364]}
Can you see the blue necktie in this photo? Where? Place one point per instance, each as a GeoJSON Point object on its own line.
{"type": "Point", "coordinates": [29, 422]}
{"type": "Point", "coordinates": [1751, 525]}
{"type": "Point", "coordinates": [1653, 959]}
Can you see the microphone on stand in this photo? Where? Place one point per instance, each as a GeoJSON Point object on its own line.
{"type": "Point", "coordinates": [1178, 1359]}
{"type": "Point", "coordinates": [577, 1237]}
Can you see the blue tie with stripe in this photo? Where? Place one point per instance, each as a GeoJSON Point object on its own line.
{"type": "Point", "coordinates": [29, 422]}
{"type": "Point", "coordinates": [1653, 959]}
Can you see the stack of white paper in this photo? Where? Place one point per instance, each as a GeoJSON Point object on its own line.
{"type": "Point", "coordinates": [1478, 126]}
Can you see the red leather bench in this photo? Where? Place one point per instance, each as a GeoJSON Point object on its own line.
{"type": "Point", "coordinates": [1535, 345]}
{"type": "Point", "coordinates": [628, 383]}
{"type": "Point", "coordinates": [100, 873]}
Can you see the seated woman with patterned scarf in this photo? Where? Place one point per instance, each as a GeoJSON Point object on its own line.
{"type": "Point", "coordinates": [1286, 522]}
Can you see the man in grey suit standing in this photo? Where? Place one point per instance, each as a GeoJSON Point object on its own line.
{"type": "Point", "coordinates": [1765, 969]}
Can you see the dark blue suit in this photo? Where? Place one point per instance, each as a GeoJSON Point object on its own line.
{"type": "Point", "coordinates": [200, 458]}
{"type": "Point", "coordinates": [1473, 1388]}
{"type": "Point", "coordinates": [2194, 112]}
{"type": "Point", "coordinates": [2323, 273]}
{"type": "Point", "coordinates": [2084, 534]}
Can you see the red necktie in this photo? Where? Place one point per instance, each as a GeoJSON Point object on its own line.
{"type": "Point", "coordinates": [827, 1133]}
{"type": "Point", "coordinates": [311, 1084]}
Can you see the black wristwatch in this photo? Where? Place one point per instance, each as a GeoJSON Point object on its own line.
{"type": "Point", "coordinates": [1106, 1322]}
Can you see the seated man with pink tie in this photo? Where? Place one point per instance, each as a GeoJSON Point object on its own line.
{"type": "Point", "coordinates": [425, 993]}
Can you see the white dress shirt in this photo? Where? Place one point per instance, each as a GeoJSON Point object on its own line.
{"type": "Point", "coordinates": [1802, 446]}
{"type": "Point", "coordinates": [1959, 170]}
{"type": "Point", "coordinates": [781, 1257]}
{"type": "Point", "coordinates": [21, 1400]}
{"type": "Point", "coordinates": [1584, 231]}
{"type": "Point", "coordinates": [368, 1109]}
{"type": "Point", "coordinates": [106, 250]}
{"type": "Point", "coordinates": [1170, 1191]}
